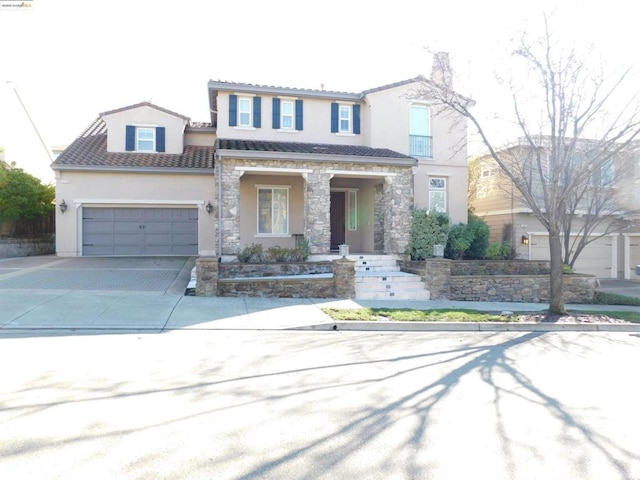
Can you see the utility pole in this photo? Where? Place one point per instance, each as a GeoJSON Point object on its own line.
{"type": "Point", "coordinates": [44, 145]}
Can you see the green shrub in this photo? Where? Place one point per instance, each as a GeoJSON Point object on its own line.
{"type": "Point", "coordinates": [429, 228]}
{"type": "Point", "coordinates": [567, 269]}
{"type": "Point", "coordinates": [499, 251]}
{"type": "Point", "coordinates": [459, 241]}
{"type": "Point", "coordinates": [468, 241]}
{"type": "Point", "coordinates": [255, 254]}
{"type": "Point", "coordinates": [251, 254]}
{"type": "Point", "coordinates": [479, 238]}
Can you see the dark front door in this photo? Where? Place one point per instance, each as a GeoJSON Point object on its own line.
{"type": "Point", "coordinates": [337, 211]}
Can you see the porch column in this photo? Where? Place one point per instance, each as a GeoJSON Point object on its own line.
{"type": "Point", "coordinates": [230, 223]}
{"type": "Point", "coordinates": [317, 202]}
{"type": "Point", "coordinates": [398, 211]}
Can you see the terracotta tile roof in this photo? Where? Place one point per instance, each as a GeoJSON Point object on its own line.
{"type": "Point", "coordinates": [90, 150]}
{"type": "Point", "coordinates": [312, 148]}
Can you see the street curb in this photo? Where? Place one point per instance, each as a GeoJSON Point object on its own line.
{"type": "Point", "coordinates": [384, 326]}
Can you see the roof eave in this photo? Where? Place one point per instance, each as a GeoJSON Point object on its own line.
{"type": "Point", "coordinates": [105, 168]}
{"type": "Point", "coordinates": [314, 157]}
{"type": "Point", "coordinates": [284, 91]}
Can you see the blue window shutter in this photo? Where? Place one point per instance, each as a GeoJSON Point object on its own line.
{"type": "Point", "coordinates": [233, 110]}
{"type": "Point", "coordinates": [257, 112]}
{"type": "Point", "coordinates": [356, 119]}
{"type": "Point", "coordinates": [159, 139]}
{"type": "Point", "coordinates": [276, 113]}
{"type": "Point", "coordinates": [130, 138]}
{"type": "Point", "coordinates": [334, 117]}
{"type": "Point", "coordinates": [298, 114]}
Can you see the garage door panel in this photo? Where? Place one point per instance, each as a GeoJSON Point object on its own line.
{"type": "Point", "coordinates": [595, 258]}
{"type": "Point", "coordinates": [140, 231]}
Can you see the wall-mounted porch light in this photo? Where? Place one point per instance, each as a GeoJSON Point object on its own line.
{"type": "Point", "coordinates": [63, 206]}
{"type": "Point", "coordinates": [525, 240]}
{"type": "Point", "coordinates": [209, 208]}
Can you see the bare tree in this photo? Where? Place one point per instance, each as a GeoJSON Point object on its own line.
{"type": "Point", "coordinates": [556, 172]}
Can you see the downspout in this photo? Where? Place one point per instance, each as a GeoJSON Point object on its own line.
{"type": "Point", "coordinates": [218, 164]}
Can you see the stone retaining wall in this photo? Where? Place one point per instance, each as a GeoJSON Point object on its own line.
{"type": "Point", "coordinates": [244, 270]}
{"type": "Point", "coordinates": [25, 247]}
{"type": "Point", "coordinates": [287, 280]}
{"type": "Point", "coordinates": [443, 279]}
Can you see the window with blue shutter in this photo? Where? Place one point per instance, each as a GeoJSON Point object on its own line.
{"type": "Point", "coordinates": [130, 138]}
{"type": "Point", "coordinates": [334, 117]}
{"type": "Point", "coordinates": [159, 139]}
{"type": "Point", "coordinates": [233, 110]}
{"type": "Point", "coordinates": [257, 112]}
{"type": "Point", "coordinates": [275, 122]}
{"type": "Point", "coordinates": [356, 119]}
{"type": "Point", "coordinates": [298, 114]}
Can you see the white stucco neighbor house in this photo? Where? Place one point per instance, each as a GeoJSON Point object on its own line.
{"type": "Point", "coordinates": [274, 165]}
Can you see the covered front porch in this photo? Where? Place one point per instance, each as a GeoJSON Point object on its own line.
{"type": "Point", "coordinates": [370, 210]}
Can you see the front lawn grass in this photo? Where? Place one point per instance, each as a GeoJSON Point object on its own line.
{"type": "Point", "coordinates": [448, 315]}
{"type": "Point", "coordinates": [411, 315]}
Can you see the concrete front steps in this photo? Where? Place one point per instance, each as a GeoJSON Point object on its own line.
{"type": "Point", "coordinates": [378, 277]}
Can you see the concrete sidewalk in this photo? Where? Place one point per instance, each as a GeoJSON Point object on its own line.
{"type": "Point", "coordinates": [151, 311]}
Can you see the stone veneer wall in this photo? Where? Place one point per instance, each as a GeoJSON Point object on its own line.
{"type": "Point", "coordinates": [505, 283]}
{"type": "Point", "coordinates": [397, 201]}
{"type": "Point", "coordinates": [218, 279]}
{"type": "Point", "coordinates": [25, 247]}
{"type": "Point", "coordinates": [244, 270]}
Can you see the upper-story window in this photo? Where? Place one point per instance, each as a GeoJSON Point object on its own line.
{"type": "Point", "coordinates": [245, 111]}
{"type": "Point", "coordinates": [420, 132]}
{"type": "Point", "coordinates": [287, 114]}
{"type": "Point", "coordinates": [345, 118]}
{"type": "Point", "coordinates": [344, 125]}
{"type": "Point", "coordinates": [144, 139]}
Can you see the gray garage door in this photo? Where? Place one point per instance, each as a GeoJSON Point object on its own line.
{"type": "Point", "coordinates": [139, 231]}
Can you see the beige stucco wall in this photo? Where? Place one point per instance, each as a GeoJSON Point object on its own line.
{"type": "Point", "coordinates": [249, 210]}
{"type": "Point", "coordinates": [142, 190]}
{"type": "Point", "coordinates": [361, 239]}
{"type": "Point", "coordinates": [148, 117]}
{"type": "Point", "coordinates": [316, 123]}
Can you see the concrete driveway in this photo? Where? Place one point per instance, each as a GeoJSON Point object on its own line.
{"type": "Point", "coordinates": [628, 288]}
{"type": "Point", "coordinates": [168, 275]}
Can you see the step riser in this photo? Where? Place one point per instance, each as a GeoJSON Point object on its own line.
{"type": "Point", "coordinates": [388, 281]}
{"type": "Point", "coordinates": [396, 296]}
{"type": "Point", "coordinates": [377, 269]}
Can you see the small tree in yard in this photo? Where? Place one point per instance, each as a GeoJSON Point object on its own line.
{"type": "Point", "coordinates": [23, 196]}
{"type": "Point", "coordinates": [558, 103]}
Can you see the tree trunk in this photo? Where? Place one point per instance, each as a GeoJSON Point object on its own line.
{"type": "Point", "coordinates": [556, 300]}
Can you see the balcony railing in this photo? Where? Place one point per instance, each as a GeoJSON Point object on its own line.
{"type": "Point", "coordinates": [420, 146]}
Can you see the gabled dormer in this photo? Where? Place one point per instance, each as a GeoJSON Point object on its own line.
{"type": "Point", "coordinates": [145, 128]}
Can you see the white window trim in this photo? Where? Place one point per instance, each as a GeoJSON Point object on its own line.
{"type": "Point", "coordinates": [291, 102]}
{"type": "Point", "coordinates": [349, 109]}
{"type": "Point", "coordinates": [271, 187]}
{"type": "Point", "coordinates": [150, 128]}
{"type": "Point", "coordinates": [444, 189]}
{"type": "Point", "coordinates": [249, 98]}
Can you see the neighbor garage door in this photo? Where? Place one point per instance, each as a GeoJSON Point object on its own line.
{"type": "Point", "coordinates": [595, 259]}
{"type": "Point", "coordinates": [139, 231]}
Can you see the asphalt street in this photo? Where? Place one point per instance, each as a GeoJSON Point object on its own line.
{"type": "Point", "coordinates": [195, 404]}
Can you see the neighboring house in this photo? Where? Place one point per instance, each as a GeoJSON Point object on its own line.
{"type": "Point", "coordinates": [615, 249]}
{"type": "Point", "coordinates": [275, 165]}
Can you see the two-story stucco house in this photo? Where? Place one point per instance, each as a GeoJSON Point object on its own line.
{"type": "Point", "coordinates": [274, 165]}
{"type": "Point", "coordinates": [613, 250]}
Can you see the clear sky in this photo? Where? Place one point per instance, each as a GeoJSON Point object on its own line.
{"type": "Point", "coordinates": [72, 59]}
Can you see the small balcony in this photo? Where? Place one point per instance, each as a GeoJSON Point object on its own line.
{"type": "Point", "coordinates": [420, 146]}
